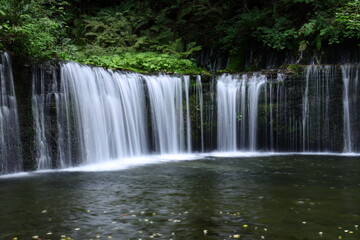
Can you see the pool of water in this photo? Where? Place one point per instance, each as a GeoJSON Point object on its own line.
{"type": "Point", "coordinates": [266, 197]}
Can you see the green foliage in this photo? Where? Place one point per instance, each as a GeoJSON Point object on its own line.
{"type": "Point", "coordinates": [132, 30]}
{"type": "Point", "coordinates": [239, 29]}
{"type": "Point", "coordinates": [279, 36]}
{"type": "Point", "coordinates": [110, 28]}
{"type": "Point", "coordinates": [317, 30]}
{"type": "Point", "coordinates": [178, 49]}
{"type": "Point", "coordinates": [349, 14]}
{"type": "Point", "coordinates": [29, 28]}
{"type": "Point", "coordinates": [146, 62]}
{"type": "Point", "coordinates": [294, 68]}
{"type": "Point", "coordinates": [121, 37]}
{"type": "Point", "coordinates": [163, 35]}
{"type": "Point", "coordinates": [305, 25]}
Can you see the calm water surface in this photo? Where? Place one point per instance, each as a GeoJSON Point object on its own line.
{"type": "Point", "coordinates": [277, 197]}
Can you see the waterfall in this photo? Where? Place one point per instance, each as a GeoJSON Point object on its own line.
{"type": "Point", "coordinates": [316, 119]}
{"type": "Point", "coordinates": [87, 114]}
{"type": "Point", "coordinates": [10, 144]}
{"type": "Point", "coordinates": [166, 95]}
{"type": "Point", "coordinates": [255, 82]}
{"type": "Point", "coordinates": [199, 94]}
{"type": "Point", "coordinates": [271, 122]}
{"type": "Point", "coordinates": [350, 77]}
{"type": "Point", "coordinates": [237, 99]}
{"type": "Point", "coordinates": [96, 115]}
{"type": "Point", "coordinates": [227, 88]}
{"type": "Point", "coordinates": [42, 91]}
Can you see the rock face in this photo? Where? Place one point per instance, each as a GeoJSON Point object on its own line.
{"type": "Point", "coordinates": [71, 114]}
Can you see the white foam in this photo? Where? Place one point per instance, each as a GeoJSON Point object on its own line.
{"type": "Point", "coordinates": [125, 163]}
{"type": "Point", "coordinates": [16, 175]}
{"type": "Point", "coordinates": [269, 154]}
{"type": "Point", "coordinates": [345, 154]}
{"type": "Point", "coordinates": [243, 154]}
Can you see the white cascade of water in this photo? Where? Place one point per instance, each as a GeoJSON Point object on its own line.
{"type": "Point", "coordinates": [10, 144]}
{"type": "Point", "coordinates": [227, 88]}
{"type": "Point", "coordinates": [316, 120]}
{"type": "Point", "coordinates": [199, 94]}
{"type": "Point", "coordinates": [41, 98]}
{"type": "Point", "coordinates": [237, 104]}
{"type": "Point", "coordinates": [256, 82]}
{"type": "Point", "coordinates": [166, 95]}
{"type": "Point", "coordinates": [271, 120]}
{"type": "Point", "coordinates": [305, 108]}
{"type": "Point", "coordinates": [91, 115]}
{"type": "Point", "coordinates": [350, 77]}
{"type": "Point", "coordinates": [100, 115]}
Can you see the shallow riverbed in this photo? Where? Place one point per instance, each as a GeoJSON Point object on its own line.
{"type": "Point", "coordinates": [267, 197]}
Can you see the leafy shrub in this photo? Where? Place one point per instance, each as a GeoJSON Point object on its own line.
{"type": "Point", "coordinates": [145, 62]}
{"type": "Point", "coordinates": [28, 28]}
{"type": "Point", "coordinates": [349, 14]}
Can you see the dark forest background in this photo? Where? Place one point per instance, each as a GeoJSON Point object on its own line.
{"type": "Point", "coordinates": [168, 35]}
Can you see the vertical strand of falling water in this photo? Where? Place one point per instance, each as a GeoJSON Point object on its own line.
{"type": "Point", "coordinates": [214, 110]}
{"type": "Point", "coordinates": [297, 134]}
{"type": "Point", "coordinates": [278, 108]}
{"type": "Point", "coordinates": [63, 111]}
{"type": "Point", "coordinates": [199, 92]}
{"type": "Point", "coordinates": [4, 164]}
{"type": "Point", "coordinates": [305, 107]}
{"type": "Point", "coordinates": [318, 107]}
{"type": "Point", "coordinates": [211, 110]}
{"type": "Point", "coordinates": [284, 113]}
{"type": "Point", "coordinates": [290, 132]}
{"type": "Point", "coordinates": [355, 105]}
{"type": "Point", "coordinates": [271, 118]}
{"type": "Point", "coordinates": [243, 115]}
{"type": "Point", "coordinates": [293, 132]}
{"type": "Point", "coordinates": [238, 116]}
{"type": "Point", "coordinates": [265, 124]}
{"type": "Point", "coordinates": [315, 110]}
{"type": "Point", "coordinates": [321, 121]}
{"type": "Point", "coordinates": [10, 143]}
{"type": "Point", "coordinates": [355, 97]}
{"type": "Point", "coordinates": [256, 83]}
{"type": "Point", "coordinates": [279, 99]}
{"type": "Point", "coordinates": [42, 155]}
{"type": "Point", "coordinates": [329, 83]}
{"type": "Point", "coordinates": [186, 80]}
{"type": "Point", "coordinates": [326, 125]}
{"type": "Point", "coordinates": [64, 156]}
{"type": "Point", "coordinates": [350, 75]}
{"type": "Point", "coordinates": [283, 118]}
{"type": "Point", "coordinates": [345, 70]}
{"type": "Point", "coordinates": [178, 124]}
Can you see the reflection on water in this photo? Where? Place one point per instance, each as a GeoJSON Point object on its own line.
{"type": "Point", "coordinates": [277, 197]}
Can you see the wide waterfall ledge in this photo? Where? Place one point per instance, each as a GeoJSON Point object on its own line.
{"type": "Point", "coordinates": [93, 118]}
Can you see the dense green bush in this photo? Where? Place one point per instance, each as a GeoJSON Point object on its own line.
{"type": "Point", "coordinates": [349, 14]}
{"type": "Point", "coordinates": [146, 62]}
{"type": "Point", "coordinates": [31, 28]}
